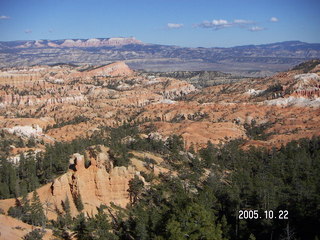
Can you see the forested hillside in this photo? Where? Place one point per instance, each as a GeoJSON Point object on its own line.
{"type": "Point", "coordinates": [201, 200]}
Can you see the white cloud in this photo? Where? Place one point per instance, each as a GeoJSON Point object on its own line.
{"type": "Point", "coordinates": [4, 17]}
{"type": "Point", "coordinates": [174, 25]}
{"type": "Point", "coordinates": [256, 29]}
{"type": "Point", "coordinates": [27, 31]}
{"type": "Point", "coordinates": [242, 21]}
{"type": "Point", "coordinates": [215, 24]}
{"type": "Point", "coordinates": [274, 19]}
{"type": "Point", "coordinates": [221, 23]}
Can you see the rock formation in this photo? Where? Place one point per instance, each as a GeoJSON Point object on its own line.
{"type": "Point", "coordinates": [80, 99]}
{"type": "Point", "coordinates": [96, 184]}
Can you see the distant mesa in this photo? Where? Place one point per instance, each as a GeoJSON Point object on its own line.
{"type": "Point", "coordinates": [85, 43]}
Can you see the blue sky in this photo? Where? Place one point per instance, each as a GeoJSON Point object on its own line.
{"type": "Point", "coordinates": [191, 23]}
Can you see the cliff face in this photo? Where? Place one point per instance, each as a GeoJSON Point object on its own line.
{"type": "Point", "coordinates": [100, 183]}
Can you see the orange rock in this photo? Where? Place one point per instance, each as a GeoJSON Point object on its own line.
{"type": "Point", "coordinates": [100, 183]}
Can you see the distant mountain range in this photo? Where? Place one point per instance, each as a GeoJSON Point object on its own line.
{"type": "Point", "coordinates": [253, 60]}
{"type": "Point", "coordinates": [67, 43]}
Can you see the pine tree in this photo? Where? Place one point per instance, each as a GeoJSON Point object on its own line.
{"type": "Point", "coordinates": [8, 179]}
{"type": "Point", "coordinates": [25, 207]}
{"type": "Point", "coordinates": [4, 191]}
{"type": "Point", "coordinates": [78, 202]}
{"type": "Point", "coordinates": [193, 222]}
{"type": "Point", "coordinates": [31, 171]}
{"type": "Point", "coordinates": [208, 154]}
{"type": "Point", "coordinates": [16, 211]}
{"type": "Point", "coordinates": [35, 234]}
{"type": "Point", "coordinates": [23, 188]}
{"type": "Point", "coordinates": [37, 215]}
{"type": "Point", "coordinates": [67, 210]}
{"type": "Point", "coordinates": [174, 230]}
{"type": "Point", "coordinates": [102, 226]}
{"type": "Point", "coordinates": [12, 180]}
{"type": "Point", "coordinates": [22, 167]}
{"type": "Point", "coordinates": [82, 229]}
{"type": "Point", "coordinates": [135, 188]}
{"type": "Point", "coordinates": [225, 227]}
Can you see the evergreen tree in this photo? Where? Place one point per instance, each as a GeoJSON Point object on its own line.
{"type": "Point", "coordinates": [101, 225]}
{"type": "Point", "coordinates": [23, 188]}
{"type": "Point", "coordinates": [135, 188]}
{"type": "Point", "coordinates": [8, 179]}
{"type": "Point", "coordinates": [67, 210]}
{"type": "Point", "coordinates": [64, 221]}
{"type": "Point", "coordinates": [175, 144]}
{"type": "Point", "coordinates": [82, 228]}
{"type": "Point", "coordinates": [13, 182]}
{"type": "Point", "coordinates": [37, 216]}
{"type": "Point", "coordinates": [225, 228]}
{"type": "Point", "coordinates": [62, 233]}
{"type": "Point", "coordinates": [25, 207]}
{"type": "Point", "coordinates": [22, 168]}
{"type": "Point", "coordinates": [16, 210]}
{"type": "Point", "coordinates": [208, 154]}
{"type": "Point", "coordinates": [4, 191]}
{"type": "Point", "coordinates": [78, 202]}
{"type": "Point", "coordinates": [35, 234]}
{"type": "Point", "coordinates": [193, 222]}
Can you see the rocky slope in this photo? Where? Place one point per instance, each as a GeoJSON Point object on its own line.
{"type": "Point", "coordinates": [12, 228]}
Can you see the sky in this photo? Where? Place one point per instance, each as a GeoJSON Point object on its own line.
{"type": "Point", "coordinates": [187, 23]}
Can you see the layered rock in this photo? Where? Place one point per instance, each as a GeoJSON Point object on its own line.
{"type": "Point", "coordinates": [99, 183]}
{"type": "Point", "coordinates": [30, 100]}
{"type": "Point", "coordinates": [307, 85]}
